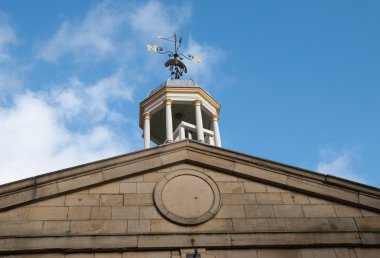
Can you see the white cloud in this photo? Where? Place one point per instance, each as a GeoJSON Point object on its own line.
{"type": "Point", "coordinates": [153, 19]}
{"type": "Point", "coordinates": [338, 164]}
{"type": "Point", "coordinates": [92, 39]}
{"type": "Point", "coordinates": [36, 140]}
{"type": "Point", "coordinates": [211, 56]}
{"type": "Point", "coordinates": [75, 99]}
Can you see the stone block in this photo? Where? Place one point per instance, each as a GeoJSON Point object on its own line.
{"type": "Point", "coordinates": [128, 188]}
{"type": "Point", "coordinates": [318, 252]}
{"type": "Point", "coordinates": [79, 213]}
{"type": "Point", "coordinates": [231, 187]}
{"type": "Point", "coordinates": [54, 228]}
{"type": "Point", "coordinates": [274, 189]}
{"type": "Point", "coordinates": [91, 227]}
{"type": "Point", "coordinates": [345, 253]}
{"type": "Point", "coordinates": [319, 210]}
{"type": "Point", "coordinates": [367, 252]}
{"type": "Point", "coordinates": [149, 212]}
{"type": "Point", "coordinates": [307, 224]}
{"type": "Point", "coordinates": [288, 211]}
{"type": "Point", "coordinates": [100, 213]}
{"type": "Point", "coordinates": [254, 187]}
{"type": "Point", "coordinates": [231, 211]}
{"type": "Point", "coordinates": [173, 157]}
{"type": "Point", "coordinates": [145, 187]}
{"type": "Point", "coordinates": [15, 214]}
{"type": "Point", "coordinates": [80, 255]}
{"type": "Point", "coordinates": [211, 161]}
{"type": "Point", "coordinates": [125, 212]}
{"type": "Point", "coordinates": [21, 228]}
{"type": "Point", "coordinates": [250, 253]}
{"type": "Point", "coordinates": [346, 211]}
{"type": "Point", "coordinates": [260, 173]}
{"type": "Point", "coordinates": [110, 188]}
{"type": "Point", "coordinates": [259, 211]}
{"type": "Point", "coordinates": [269, 198]}
{"type": "Point", "coordinates": [46, 190]}
{"type": "Point", "coordinates": [214, 225]}
{"type": "Point", "coordinates": [368, 223]}
{"type": "Point", "coordinates": [139, 226]}
{"type": "Point", "coordinates": [147, 254]}
{"type": "Point", "coordinates": [369, 201]}
{"type": "Point", "coordinates": [82, 200]}
{"type": "Point", "coordinates": [45, 213]}
{"type": "Point", "coordinates": [278, 253]}
{"type": "Point", "coordinates": [294, 198]}
{"type": "Point", "coordinates": [153, 176]}
{"type": "Point", "coordinates": [367, 213]}
{"type": "Point", "coordinates": [342, 224]}
{"type": "Point", "coordinates": [133, 179]}
{"type": "Point", "coordinates": [138, 199]}
{"type": "Point", "coordinates": [144, 164]}
{"type": "Point", "coordinates": [56, 201]}
{"type": "Point", "coordinates": [314, 200]}
{"type": "Point", "coordinates": [220, 177]}
{"type": "Point", "coordinates": [81, 181]}
{"type": "Point", "coordinates": [250, 225]}
{"type": "Point", "coordinates": [108, 255]}
{"type": "Point", "coordinates": [111, 200]}
{"type": "Point", "coordinates": [13, 199]}
{"type": "Point", "coordinates": [248, 198]}
{"type": "Point", "coordinates": [277, 224]}
{"type": "Point", "coordinates": [164, 226]}
{"type": "Point", "coordinates": [48, 255]}
{"type": "Point", "coordinates": [370, 238]}
{"type": "Point", "coordinates": [116, 172]}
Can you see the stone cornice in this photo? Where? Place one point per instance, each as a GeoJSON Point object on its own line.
{"type": "Point", "coordinates": [118, 243]}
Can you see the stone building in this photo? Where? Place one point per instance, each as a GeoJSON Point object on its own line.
{"type": "Point", "coordinates": [187, 197]}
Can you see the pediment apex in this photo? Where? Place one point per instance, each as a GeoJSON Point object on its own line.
{"type": "Point", "coordinates": [224, 161]}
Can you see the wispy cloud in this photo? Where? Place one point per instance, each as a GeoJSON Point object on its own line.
{"type": "Point", "coordinates": [339, 164]}
{"type": "Point", "coordinates": [91, 40]}
{"type": "Point", "coordinates": [81, 118]}
{"type": "Point", "coordinates": [211, 57]}
{"type": "Point", "coordinates": [7, 37]}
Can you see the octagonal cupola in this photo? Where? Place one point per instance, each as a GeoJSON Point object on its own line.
{"type": "Point", "coordinates": [179, 109]}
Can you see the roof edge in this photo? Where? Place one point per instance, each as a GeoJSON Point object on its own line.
{"type": "Point", "coordinates": [230, 162]}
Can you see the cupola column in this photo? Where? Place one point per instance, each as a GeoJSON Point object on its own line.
{"type": "Point", "coordinates": [169, 120]}
{"type": "Point", "coordinates": [215, 126]}
{"type": "Point", "coordinates": [146, 130]}
{"type": "Point", "coordinates": [198, 119]}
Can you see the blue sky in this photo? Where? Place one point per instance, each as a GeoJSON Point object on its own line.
{"type": "Point", "coordinates": [298, 81]}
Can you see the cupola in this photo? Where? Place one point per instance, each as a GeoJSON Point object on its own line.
{"type": "Point", "coordinates": [179, 109]}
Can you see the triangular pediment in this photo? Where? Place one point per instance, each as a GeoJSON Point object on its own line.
{"type": "Point", "coordinates": [188, 152]}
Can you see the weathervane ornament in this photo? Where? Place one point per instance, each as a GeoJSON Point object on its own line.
{"type": "Point", "coordinates": [176, 66]}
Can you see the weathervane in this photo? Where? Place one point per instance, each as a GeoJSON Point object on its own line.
{"type": "Point", "coordinates": [176, 66]}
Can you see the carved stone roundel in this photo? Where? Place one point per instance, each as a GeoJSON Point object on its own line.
{"type": "Point", "coordinates": [187, 197]}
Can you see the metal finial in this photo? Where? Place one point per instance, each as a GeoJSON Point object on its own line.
{"type": "Point", "coordinates": [176, 66]}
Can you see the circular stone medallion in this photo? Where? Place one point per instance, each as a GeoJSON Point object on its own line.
{"type": "Point", "coordinates": [187, 197]}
